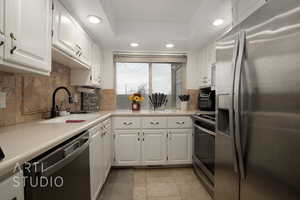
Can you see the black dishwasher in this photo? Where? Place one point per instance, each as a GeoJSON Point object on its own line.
{"type": "Point", "coordinates": [63, 173]}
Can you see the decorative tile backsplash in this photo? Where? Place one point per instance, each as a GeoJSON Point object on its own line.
{"type": "Point", "coordinates": [90, 101]}
{"type": "Point", "coordinates": [29, 97]}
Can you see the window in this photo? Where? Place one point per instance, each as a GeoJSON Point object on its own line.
{"type": "Point", "coordinates": [148, 78]}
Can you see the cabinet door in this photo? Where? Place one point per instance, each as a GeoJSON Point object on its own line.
{"type": "Point", "coordinates": [127, 148]}
{"type": "Point", "coordinates": [65, 29]}
{"type": "Point", "coordinates": [84, 45]}
{"type": "Point", "coordinates": [107, 152]}
{"type": "Point", "coordinates": [12, 188]}
{"type": "Point", "coordinates": [154, 147]}
{"type": "Point", "coordinates": [2, 37]}
{"type": "Point", "coordinates": [96, 163]}
{"type": "Point", "coordinates": [28, 33]}
{"type": "Point", "coordinates": [96, 62]}
{"type": "Point", "coordinates": [179, 146]}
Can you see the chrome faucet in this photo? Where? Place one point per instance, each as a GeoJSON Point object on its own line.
{"type": "Point", "coordinates": [54, 106]}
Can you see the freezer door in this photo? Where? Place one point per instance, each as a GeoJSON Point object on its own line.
{"type": "Point", "coordinates": [270, 103]}
{"type": "Point", "coordinates": [226, 171]}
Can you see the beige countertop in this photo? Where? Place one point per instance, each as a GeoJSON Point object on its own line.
{"type": "Point", "coordinates": [24, 142]}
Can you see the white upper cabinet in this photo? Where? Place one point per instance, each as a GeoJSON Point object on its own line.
{"type": "Point", "coordinates": [2, 37]}
{"type": "Point", "coordinates": [179, 146]}
{"type": "Point", "coordinates": [73, 44]}
{"type": "Point", "coordinates": [92, 77]}
{"type": "Point", "coordinates": [96, 65]}
{"type": "Point", "coordinates": [206, 61]}
{"type": "Point", "coordinates": [84, 46]}
{"type": "Point", "coordinates": [154, 147]}
{"type": "Point", "coordinates": [244, 8]}
{"type": "Point", "coordinates": [27, 31]}
{"type": "Point", "coordinates": [65, 29]}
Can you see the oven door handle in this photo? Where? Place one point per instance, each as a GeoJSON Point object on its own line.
{"type": "Point", "coordinates": [204, 130]}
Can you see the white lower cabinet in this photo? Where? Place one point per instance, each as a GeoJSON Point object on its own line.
{"type": "Point", "coordinates": [12, 188]}
{"type": "Point", "coordinates": [171, 144]}
{"type": "Point", "coordinates": [127, 147]}
{"type": "Point", "coordinates": [96, 161]}
{"type": "Point", "coordinates": [154, 148]}
{"type": "Point", "coordinates": [100, 158]}
{"type": "Point", "coordinates": [107, 149]}
{"type": "Point", "coordinates": [180, 146]}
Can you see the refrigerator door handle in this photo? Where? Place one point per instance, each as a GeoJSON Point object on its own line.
{"type": "Point", "coordinates": [231, 116]}
{"type": "Point", "coordinates": [237, 104]}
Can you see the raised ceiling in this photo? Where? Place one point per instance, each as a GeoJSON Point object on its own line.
{"type": "Point", "coordinates": [176, 11]}
{"type": "Point", "coordinates": [152, 23]}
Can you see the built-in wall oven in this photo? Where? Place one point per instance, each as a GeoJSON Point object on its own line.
{"type": "Point", "coordinates": [204, 149]}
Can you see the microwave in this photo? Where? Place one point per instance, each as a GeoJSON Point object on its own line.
{"type": "Point", "coordinates": [207, 99]}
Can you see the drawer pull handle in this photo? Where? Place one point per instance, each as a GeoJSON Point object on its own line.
{"type": "Point", "coordinates": [13, 49]}
{"type": "Point", "coordinates": [180, 123]}
{"type": "Point", "coordinates": [154, 123]}
{"type": "Point", "coordinates": [127, 123]}
{"type": "Point", "coordinates": [15, 198]}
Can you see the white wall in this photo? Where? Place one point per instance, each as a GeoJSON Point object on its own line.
{"type": "Point", "coordinates": [108, 70]}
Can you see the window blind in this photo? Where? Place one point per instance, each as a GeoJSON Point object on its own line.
{"type": "Point", "coordinates": [136, 58]}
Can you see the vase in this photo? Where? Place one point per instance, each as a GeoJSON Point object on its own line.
{"type": "Point", "coordinates": [184, 106]}
{"type": "Point", "coordinates": [135, 106]}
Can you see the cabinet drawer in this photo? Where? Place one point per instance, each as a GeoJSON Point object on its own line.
{"type": "Point", "coordinates": [179, 122]}
{"type": "Point", "coordinates": [127, 123]}
{"type": "Point", "coordinates": [154, 122]}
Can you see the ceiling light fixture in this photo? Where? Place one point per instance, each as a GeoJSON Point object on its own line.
{"type": "Point", "coordinates": [134, 44]}
{"type": "Point", "coordinates": [218, 22]}
{"type": "Point", "coordinates": [94, 19]}
{"type": "Point", "coordinates": [170, 45]}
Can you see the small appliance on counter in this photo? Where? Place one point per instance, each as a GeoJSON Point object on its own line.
{"type": "Point", "coordinates": [207, 99]}
{"type": "Point", "coordinates": [2, 156]}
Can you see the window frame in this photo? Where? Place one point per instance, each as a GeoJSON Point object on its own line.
{"type": "Point", "coordinates": [173, 102]}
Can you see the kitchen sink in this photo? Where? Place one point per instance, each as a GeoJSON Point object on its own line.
{"type": "Point", "coordinates": [74, 118]}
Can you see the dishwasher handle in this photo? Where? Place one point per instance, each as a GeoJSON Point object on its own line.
{"type": "Point", "coordinates": [70, 152]}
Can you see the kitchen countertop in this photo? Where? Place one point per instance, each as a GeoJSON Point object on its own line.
{"type": "Point", "coordinates": [23, 142]}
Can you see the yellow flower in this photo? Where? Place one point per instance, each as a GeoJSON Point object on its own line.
{"type": "Point", "coordinates": [135, 98]}
{"type": "Point", "coordinates": [130, 98]}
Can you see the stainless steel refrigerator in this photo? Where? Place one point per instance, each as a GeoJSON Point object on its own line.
{"type": "Point", "coordinates": [258, 106]}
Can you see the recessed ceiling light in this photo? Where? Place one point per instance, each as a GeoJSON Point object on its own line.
{"type": "Point", "coordinates": [134, 44]}
{"type": "Point", "coordinates": [94, 19]}
{"type": "Point", "coordinates": [218, 22]}
{"type": "Point", "coordinates": [170, 46]}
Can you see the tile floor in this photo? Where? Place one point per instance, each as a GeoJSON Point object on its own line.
{"type": "Point", "coordinates": [153, 184]}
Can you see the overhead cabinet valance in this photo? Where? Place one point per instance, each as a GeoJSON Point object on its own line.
{"type": "Point", "coordinates": [128, 58]}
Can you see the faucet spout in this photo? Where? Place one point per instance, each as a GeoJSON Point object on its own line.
{"type": "Point", "coordinates": [54, 106]}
